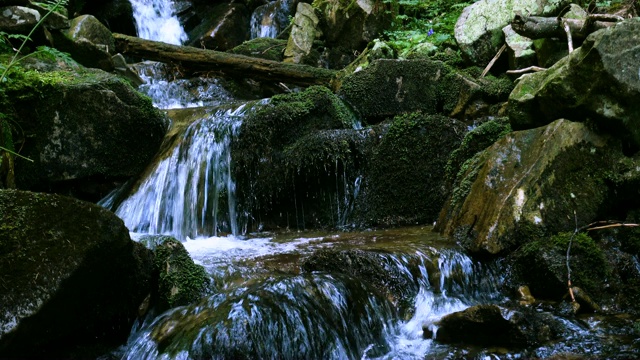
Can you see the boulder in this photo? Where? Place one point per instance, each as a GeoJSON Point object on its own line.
{"type": "Point", "coordinates": [91, 128]}
{"type": "Point", "coordinates": [404, 170]}
{"type": "Point", "coordinates": [491, 325]}
{"type": "Point", "coordinates": [225, 27]}
{"type": "Point", "coordinates": [391, 87]}
{"type": "Point", "coordinates": [594, 83]}
{"type": "Point", "coordinates": [70, 276]}
{"type": "Point", "coordinates": [304, 31]}
{"type": "Point", "coordinates": [116, 15]}
{"type": "Point", "coordinates": [264, 48]}
{"type": "Point", "coordinates": [478, 30]}
{"type": "Point", "coordinates": [540, 180]}
{"type": "Point", "coordinates": [18, 19]}
{"type": "Point", "coordinates": [88, 41]}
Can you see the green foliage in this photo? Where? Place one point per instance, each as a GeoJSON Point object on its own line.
{"type": "Point", "coordinates": [17, 57]}
{"type": "Point", "coordinates": [418, 21]}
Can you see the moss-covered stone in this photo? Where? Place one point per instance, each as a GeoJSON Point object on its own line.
{"type": "Point", "coordinates": [290, 155]}
{"type": "Point", "coordinates": [79, 125]}
{"type": "Point", "coordinates": [404, 176]}
{"type": "Point", "coordinates": [180, 280]}
{"type": "Point", "coordinates": [535, 178]}
{"type": "Point", "coordinates": [69, 273]}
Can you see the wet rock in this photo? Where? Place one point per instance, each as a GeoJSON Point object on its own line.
{"type": "Point", "coordinates": [70, 275]}
{"type": "Point", "coordinates": [478, 30]}
{"type": "Point", "coordinates": [491, 325]}
{"type": "Point", "coordinates": [585, 301]}
{"type": "Point", "coordinates": [90, 128]}
{"type": "Point", "coordinates": [524, 296]}
{"type": "Point", "coordinates": [304, 31]}
{"type": "Point", "coordinates": [592, 83]}
{"type": "Point", "coordinates": [379, 269]}
{"type": "Point", "coordinates": [529, 182]}
{"type": "Point", "coordinates": [272, 19]}
{"type": "Point", "coordinates": [180, 280]}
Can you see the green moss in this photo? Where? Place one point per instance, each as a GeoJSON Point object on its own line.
{"type": "Point", "coordinates": [181, 281]}
{"type": "Point", "coordinates": [264, 48]}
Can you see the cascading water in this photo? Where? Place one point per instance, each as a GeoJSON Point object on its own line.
{"type": "Point", "coordinates": [270, 19]}
{"type": "Point", "coordinates": [263, 305]}
{"type": "Point", "coordinates": [156, 20]}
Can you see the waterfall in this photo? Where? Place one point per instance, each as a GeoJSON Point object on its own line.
{"type": "Point", "coordinates": [270, 19]}
{"type": "Point", "coordinates": [156, 20]}
{"type": "Point", "coordinates": [190, 192]}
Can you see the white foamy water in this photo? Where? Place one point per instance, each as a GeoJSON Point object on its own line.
{"type": "Point", "coordinates": [156, 20]}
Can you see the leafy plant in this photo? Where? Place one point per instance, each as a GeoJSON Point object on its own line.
{"type": "Point", "coordinates": [418, 21]}
{"type": "Point", "coordinates": [5, 41]}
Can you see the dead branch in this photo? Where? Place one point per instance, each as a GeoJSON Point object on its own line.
{"type": "Point", "coordinates": [526, 70]}
{"type": "Point", "coordinates": [567, 30]}
{"type": "Point", "coordinates": [536, 27]}
{"type": "Point", "coordinates": [493, 61]}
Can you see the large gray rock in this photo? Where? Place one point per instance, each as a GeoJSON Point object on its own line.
{"type": "Point", "coordinates": [598, 81]}
{"type": "Point", "coordinates": [526, 182]}
{"type": "Point", "coordinates": [478, 30]}
{"type": "Point", "coordinates": [91, 126]}
{"type": "Point", "coordinates": [304, 31]}
{"type": "Point", "coordinates": [69, 273]}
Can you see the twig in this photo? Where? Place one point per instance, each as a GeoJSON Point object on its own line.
{"type": "Point", "coordinates": [567, 30]}
{"type": "Point", "coordinates": [526, 70]}
{"type": "Point", "coordinates": [495, 58]}
{"type": "Point", "coordinates": [573, 299]}
{"type": "Point", "coordinates": [612, 226]}
{"type": "Point", "coordinates": [271, 47]}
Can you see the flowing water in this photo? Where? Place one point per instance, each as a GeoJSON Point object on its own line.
{"type": "Point", "coordinates": [266, 299]}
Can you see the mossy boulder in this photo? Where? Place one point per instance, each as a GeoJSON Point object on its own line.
{"type": "Point", "coordinates": [492, 325]}
{"type": "Point", "coordinates": [404, 172]}
{"type": "Point", "coordinates": [70, 276]}
{"type": "Point", "coordinates": [530, 182]}
{"type": "Point", "coordinates": [81, 128]}
{"type": "Point", "coordinates": [289, 156]}
{"type": "Point", "coordinates": [117, 15]}
{"type": "Point", "coordinates": [88, 42]}
{"type": "Point", "coordinates": [391, 87]}
{"type": "Point", "coordinates": [223, 27]}
{"type": "Point", "coordinates": [180, 280]}
{"type": "Point", "coordinates": [593, 82]}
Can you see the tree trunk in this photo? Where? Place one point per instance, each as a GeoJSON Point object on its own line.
{"type": "Point", "coordinates": [196, 59]}
{"type": "Point", "coordinates": [535, 27]}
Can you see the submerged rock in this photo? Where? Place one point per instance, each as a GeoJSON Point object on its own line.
{"type": "Point", "coordinates": [594, 82]}
{"type": "Point", "coordinates": [69, 273]}
{"type": "Point", "coordinates": [491, 325]}
{"type": "Point", "coordinates": [540, 180]}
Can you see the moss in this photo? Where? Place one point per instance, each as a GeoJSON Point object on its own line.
{"type": "Point", "coordinates": [264, 48]}
{"type": "Point", "coordinates": [405, 174]}
{"type": "Point", "coordinates": [180, 281]}
{"type": "Point", "coordinates": [478, 139]}
{"type": "Point", "coordinates": [542, 264]}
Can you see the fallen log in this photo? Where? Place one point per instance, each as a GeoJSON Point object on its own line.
{"type": "Point", "coordinates": [195, 59]}
{"type": "Point", "coordinates": [536, 27]}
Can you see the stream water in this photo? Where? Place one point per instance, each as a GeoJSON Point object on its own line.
{"type": "Point", "coordinates": [261, 303]}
